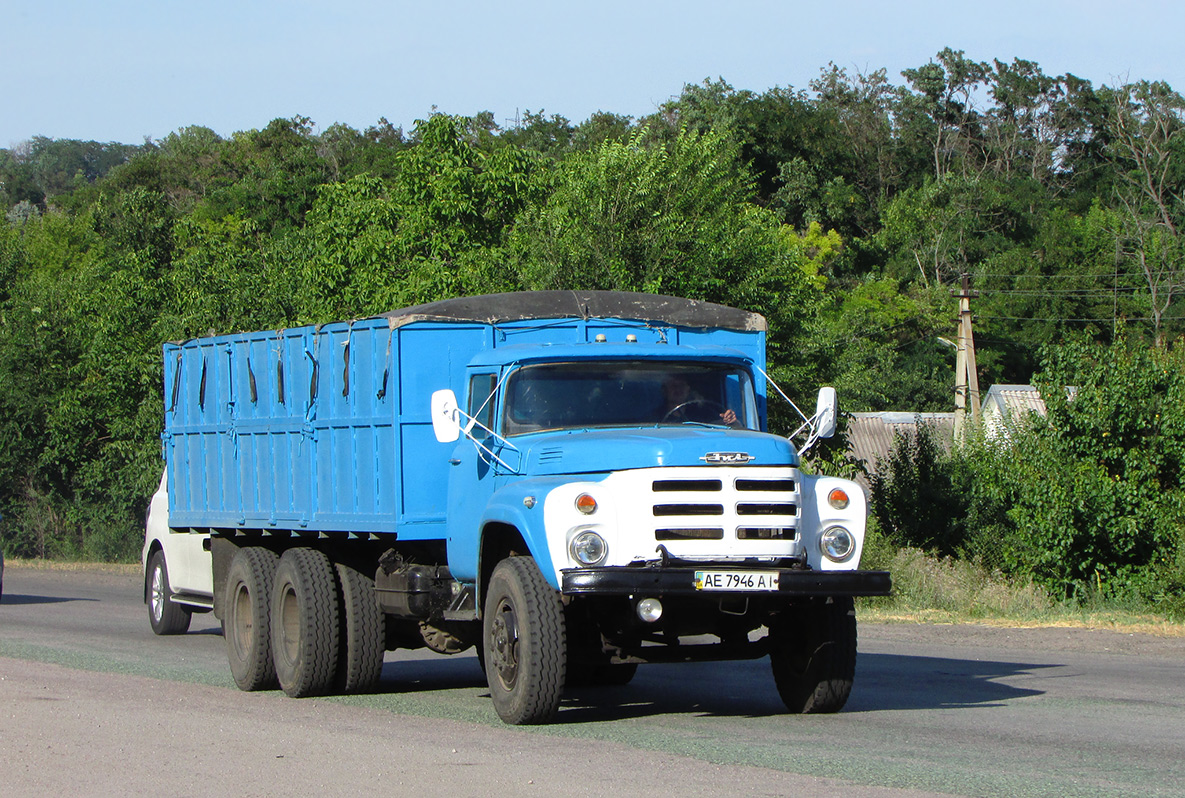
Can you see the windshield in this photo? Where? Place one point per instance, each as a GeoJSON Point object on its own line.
{"type": "Point", "coordinates": [612, 394]}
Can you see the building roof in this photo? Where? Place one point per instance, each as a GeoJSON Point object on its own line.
{"type": "Point", "coordinates": [871, 435]}
{"type": "Point", "coordinates": [1006, 401]}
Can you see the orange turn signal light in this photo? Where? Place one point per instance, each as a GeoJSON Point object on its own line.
{"type": "Point", "coordinates": [586, 504]}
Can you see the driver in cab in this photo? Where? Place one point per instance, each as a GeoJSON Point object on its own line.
{"type": "Point", "coordinates": [681, 404]}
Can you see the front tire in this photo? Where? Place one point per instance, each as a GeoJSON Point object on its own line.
{"type": "Point", "coordinates": [165, 617]}
{"type": "Point", "coordinates": [247, 621]}
{"type": "Point", "coordinates": [588, 665]}
{"type": "Point", "coordinates": [304, 623]}
{"type": "Point", "coordinates": [813, 655]}
{"type": "Point", "coordinates": [523, 634]}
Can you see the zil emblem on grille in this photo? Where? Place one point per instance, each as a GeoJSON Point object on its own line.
{"type": "Point", "coordinates": [727, 458]}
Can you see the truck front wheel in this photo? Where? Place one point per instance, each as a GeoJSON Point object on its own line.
{"type": "Point", "coordinates": [813, 655]}
{"type": "Point", "coordinates": [248, 617]}
{"type": "Point", "coordinates": [305, 623]}
{"type": "Point", "coordinates": [523, 633]}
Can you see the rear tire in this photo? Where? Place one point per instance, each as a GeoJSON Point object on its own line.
{"type": "Point", "coordinates": [246, 621]}
{"type": "Point", "coordinates": [304, 623]}
{"type": "Point", "coordinates": [523, 634]}
{"type": "Point", "coordinates": [813, 655]}
{"type": "Point", "coordinates": [165, 617]}
{"type": "Point", "coordinates": [363, 633]}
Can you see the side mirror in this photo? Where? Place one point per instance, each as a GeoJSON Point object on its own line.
{"type": "Point", "coordinates": [446, 420]}
{"type": "Point", "coordinates": [826, 412]}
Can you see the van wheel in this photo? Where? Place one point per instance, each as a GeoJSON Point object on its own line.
{"type": "Point", "coordinates": [246, 622]}
{"type": "Point", "coordinates": [813, 656]}
{"type": "Point", "coordinates": [305, 623]}
{"type": "Point", "coordinates": [165, 617]}
{"type": "Point", "coordinates": [523, 633]}
{"type": "Point", "coordinates": [363, 632]}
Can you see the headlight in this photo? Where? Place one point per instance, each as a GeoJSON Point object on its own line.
{"type": "Point", "coordinates": [588, 548]}
{"type": "Point", "coordinates": [837, 544]}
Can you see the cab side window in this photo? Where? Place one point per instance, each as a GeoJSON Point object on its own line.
{"type": "Point", "coordinates": [481, 399]}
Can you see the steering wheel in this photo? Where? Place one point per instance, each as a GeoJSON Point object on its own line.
{"type": "Point", "coordinates": [705, 402]}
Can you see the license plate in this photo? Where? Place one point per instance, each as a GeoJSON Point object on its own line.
{"type": "Point", "coordinates": [736, 580]}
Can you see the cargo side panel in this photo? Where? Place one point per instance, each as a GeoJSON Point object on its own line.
{"type": "Point", "coordinates": [353, 427]}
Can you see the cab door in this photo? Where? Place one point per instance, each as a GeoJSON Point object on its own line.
{"type": "Point", "coordinates": [471, 478]}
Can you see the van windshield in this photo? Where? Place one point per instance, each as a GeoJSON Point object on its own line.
{"type": "Point", "coordinates": [613, 394]}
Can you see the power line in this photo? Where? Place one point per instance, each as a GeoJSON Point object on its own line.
{"type": "Point", "coordinates": [1108, 319]}
{"type": "Point", "coordinates": [1059, 276]}
{"type": "Point", "coordinates": [1084, 292]}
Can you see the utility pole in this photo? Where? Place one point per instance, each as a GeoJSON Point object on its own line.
{"type": "Point", "coordinates": [966, 373]}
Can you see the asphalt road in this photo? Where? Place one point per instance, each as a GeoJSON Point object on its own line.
{"type": "Point", "coordinates": [92, 703]}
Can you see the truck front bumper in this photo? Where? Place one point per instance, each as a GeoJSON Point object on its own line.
{"type": "Point", "coordinates": [681, 581]}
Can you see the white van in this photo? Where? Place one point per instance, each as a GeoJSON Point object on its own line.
{"type": "Point", "coordinates": [178, 575]}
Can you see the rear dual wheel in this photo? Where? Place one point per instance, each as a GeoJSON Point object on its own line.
{"type": "Point", "coordinates": [304, 623]}
{"type": "Point", "coordinates": [247, 617]}
{"type": "Point", "coordinates": [363, 632]}
{"type": "Point", "coordinates": [312, 626]}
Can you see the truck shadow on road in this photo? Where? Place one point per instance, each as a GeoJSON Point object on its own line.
{"type": "Point", "coordinates": [883, 682]}
{"type": "Point", "coordinates": [17, 598]}
{"type": "Point", "coordinates": [433, 673]}
{"type": "Point", "coordinates": [746, 689]}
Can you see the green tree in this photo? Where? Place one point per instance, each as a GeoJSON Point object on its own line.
{"type": "Point", "coordinates": [881, 347]}
{"type": "Point", "coordinates": [862, 107]}
{"type": "Point", "coordinates": [1148, 150]}
{"type": "Point", "coordinates": [942, 110]}
{"type": "Point", "coordinates": [674, 218]}
{"type": "Point", "coordinates": [374, 245]}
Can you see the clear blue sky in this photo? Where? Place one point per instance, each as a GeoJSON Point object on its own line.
{"type": "Point", "coordinates": [121, 70]}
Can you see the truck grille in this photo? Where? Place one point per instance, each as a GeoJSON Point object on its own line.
{"type": "Point", "coordinates": [743, 508]}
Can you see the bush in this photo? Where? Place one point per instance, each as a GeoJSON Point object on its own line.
{"type": "Point", "coordinates": [916, 496]}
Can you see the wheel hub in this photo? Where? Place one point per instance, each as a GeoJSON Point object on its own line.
{"type": "Point", "coordinates": [158, 594]}
{"type": "Point", "coordinates": [504, 644]}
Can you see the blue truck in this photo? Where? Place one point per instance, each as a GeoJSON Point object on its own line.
{"type": "Point", "coordinates": [574, 483]}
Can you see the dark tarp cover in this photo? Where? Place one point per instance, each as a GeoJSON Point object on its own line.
{"type": "Point", "coordinates": [653, 308]}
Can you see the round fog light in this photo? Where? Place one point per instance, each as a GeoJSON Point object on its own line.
{"type": "Point", "coordinates": [650, 610]}
{"type": "Point", "coordinates": [589, 548]}
{"type": "Point", "coordinates": [837, 544]}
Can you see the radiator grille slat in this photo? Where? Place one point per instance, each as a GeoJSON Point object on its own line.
{"type": "Point", "coordinates": [686, 485]}
{"type": "Point", "coordinates": [766, 509]}
{"type": "Point", "coordinates": [691, 533]}
{"type": "Point", "coordinates": [664, 510]}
